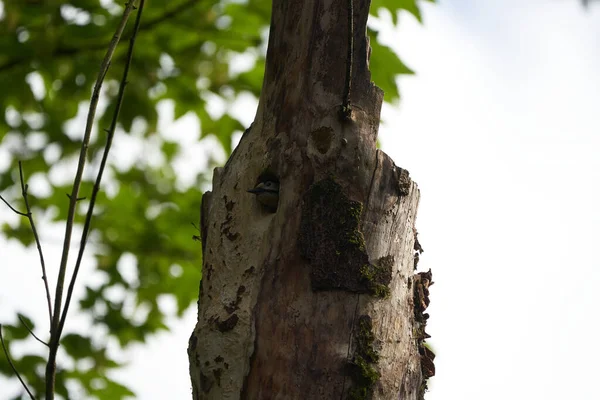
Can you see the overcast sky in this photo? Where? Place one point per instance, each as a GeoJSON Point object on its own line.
{"type": "Point", "coordinates": [501, 130]}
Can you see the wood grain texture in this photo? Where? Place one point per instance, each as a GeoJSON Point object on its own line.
{"type": "Point", "coordinates": [264, 330]}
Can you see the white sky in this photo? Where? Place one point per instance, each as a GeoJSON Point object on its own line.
{"type": "Point", "coordinates": [501, 132]}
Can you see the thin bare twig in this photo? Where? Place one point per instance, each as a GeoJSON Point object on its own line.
{"type": "Point", "coordinates": [31, 331]}
{"type": "Point", "coordinates": [13, 365]}
{"type": "Point", "coordinates": [78, 199]}
{"type": "Point", "coordinates": [29, 216]}
{"type": "Point", "coordinates": [56, 317]}
{"type": "Point", "coordinates": [12, 208]}
{"type": "Point", "coordinates": [109, 138]}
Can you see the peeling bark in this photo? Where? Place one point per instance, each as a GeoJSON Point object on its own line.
{"type": "Point", "coordinates": [314, 300]}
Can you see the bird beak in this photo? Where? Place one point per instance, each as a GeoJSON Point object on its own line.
{"type": "Point", "coordinates": [255, 190]}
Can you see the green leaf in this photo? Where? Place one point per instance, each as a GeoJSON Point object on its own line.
{"type": "Point", "coordinates": [115, 391]}
{"type": "Point", "coordinates": [394, 6]}
{"type": "Point", "coordinates": [14, 332]}
{"type": "Point", "coordinates": [77, 346]}
{"type": "Point", "coordinates": [385, 66]}
{"type": "Point", "coordinates": [31, 362]}
{"type": "Point", "coordinates": [21, 232]}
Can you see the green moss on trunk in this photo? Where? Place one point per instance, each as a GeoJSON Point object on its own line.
{"type": "Point", "coordinates": [363, 369]}
{"type": "Point", "coordinates": [330, 238]}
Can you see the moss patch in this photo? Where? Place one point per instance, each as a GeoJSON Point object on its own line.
{"type": "Point", "coordinates": [363, 369]}
{"type": "Point", "coordinates": [331, 240]}
{"type": "Point", "coordinates": [378, 276]}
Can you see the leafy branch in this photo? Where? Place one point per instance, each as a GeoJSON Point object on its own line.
{"type": "Point", "coordinates": [65, 51]}
{"type": "Point", "coordinates": [24, 188]}
{"type": "Point", "coordinates": [168, 15]}
{"type": "Point", "coordinates": [58, 319]}
{"type": "Point", "coordinates": [29, 215]}
{"type": "Point", "coordinates": [109, 139]}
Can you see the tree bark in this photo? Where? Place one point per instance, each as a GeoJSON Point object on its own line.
{"type": "Point", "coordinates": [317, 300]}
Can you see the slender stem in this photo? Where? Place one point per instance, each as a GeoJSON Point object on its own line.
{"type": "Point", "coordinates": [29, 216]}
{"type": "Point", "coordinates": [31, 331]}
{"type": "Point", "coordinates": [54, 329]}
{"type": "Point", "coordinates": [109, 139]}
{"type": "Point", "coordinates": [12, 208]}
{"type": "Point", "coordinates": [13, 366]}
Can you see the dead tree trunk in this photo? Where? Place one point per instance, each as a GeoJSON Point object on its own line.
{"type": "Point", "coordinates": [318, 299]}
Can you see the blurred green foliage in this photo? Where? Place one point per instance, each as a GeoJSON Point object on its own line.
{"type": "Point", "coordinates": [186, 52]}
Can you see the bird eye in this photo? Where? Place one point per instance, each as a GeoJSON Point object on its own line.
{"type": "Point", "coordinates": [267, 183]}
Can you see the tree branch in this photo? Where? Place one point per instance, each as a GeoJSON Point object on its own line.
{"type": "Point", "coordinates": [56, 317]}
{"type": "Point", "coordinates": [96, 189]}
{"type": "Point", "coordinates": [13, 365]}
{"type": "Point", "coordinates": [12, 208]}
{"type": "Point", "coordinates": [29, 216]}
{"type": "Point", "coordinates": [31, 331]}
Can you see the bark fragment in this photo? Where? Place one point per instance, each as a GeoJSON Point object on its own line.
{"type": "Point", "coordinates": [422, 281]}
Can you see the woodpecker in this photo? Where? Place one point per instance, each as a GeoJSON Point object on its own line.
{"type": "Point", "coordinates": [267, 194]}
